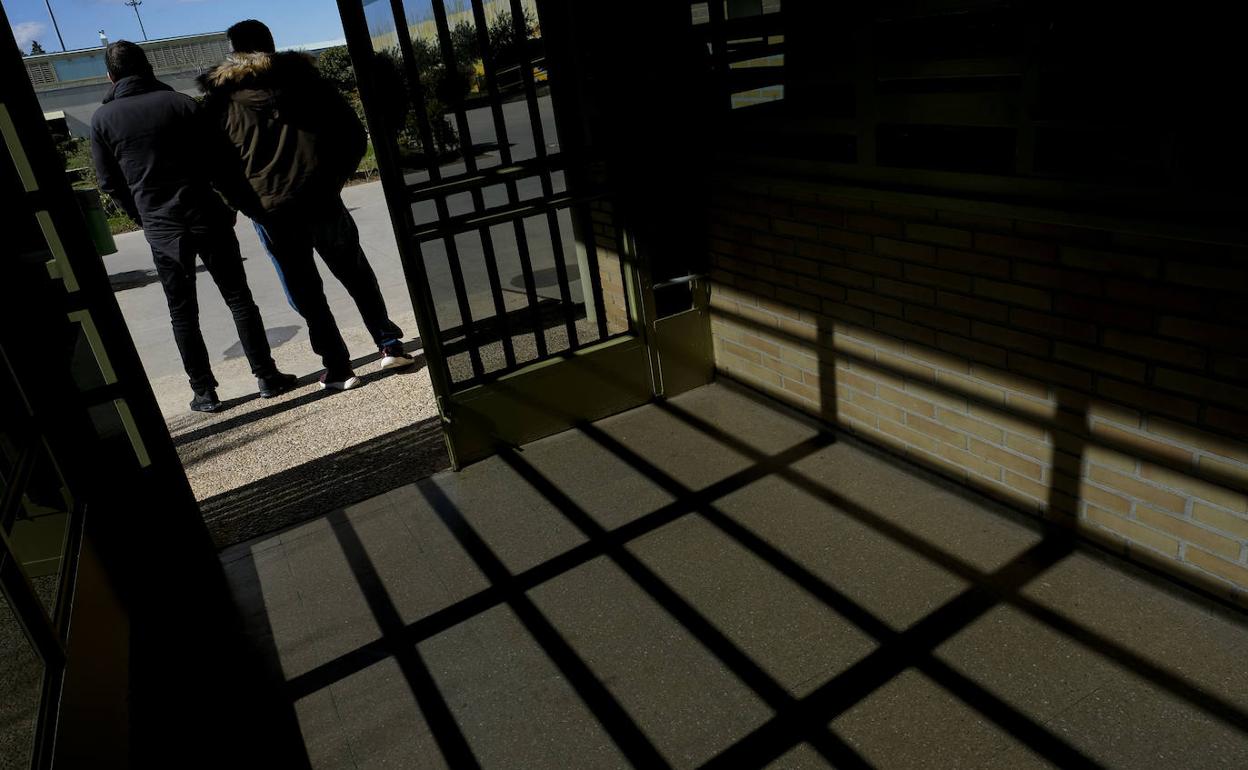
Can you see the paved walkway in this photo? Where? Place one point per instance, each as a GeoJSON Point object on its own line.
{"type": "Point", "coordinates": [712, 581]}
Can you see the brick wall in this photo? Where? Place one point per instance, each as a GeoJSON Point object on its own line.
{"type": "Point", "coordinates": [1094, 377]}
{"type": "Point", "coordinates": [610, 273]}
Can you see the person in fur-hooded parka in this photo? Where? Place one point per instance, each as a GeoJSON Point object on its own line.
{"type": "Point", "coordinates": [295, 135]}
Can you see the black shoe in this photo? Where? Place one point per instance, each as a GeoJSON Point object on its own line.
{"type": "Point", "coordinates": [276, 384]}
{"type": "Point", "coordinates": [206, 401]}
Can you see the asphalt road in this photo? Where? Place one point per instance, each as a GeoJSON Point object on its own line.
{"type": "Point", "coordinates": [143, 304]}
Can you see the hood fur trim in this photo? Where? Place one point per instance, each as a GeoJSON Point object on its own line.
{"type": "Point", "coordinates": [241, 68]}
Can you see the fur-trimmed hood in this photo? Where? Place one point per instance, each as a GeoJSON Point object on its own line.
{"type": "Point", "coordinates": [260, 71]}
{"type": "Point", "coordinates": [295, 136]}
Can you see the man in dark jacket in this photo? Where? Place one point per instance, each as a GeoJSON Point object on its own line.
{"type": "Point", "coordinates": [298, 142]}
{"type": "Point", "coordinates": [148, 143]}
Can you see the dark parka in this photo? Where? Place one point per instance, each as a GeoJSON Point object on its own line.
{"type": "Point", "coordinates": [149, 146]}
{"type": "Point", "coordinates": [295, 138]}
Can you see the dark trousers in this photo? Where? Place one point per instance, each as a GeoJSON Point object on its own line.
{"type": "Point", "coordinates": [290, 236]}
{"type": "Point", "coordinates": [174, 254]}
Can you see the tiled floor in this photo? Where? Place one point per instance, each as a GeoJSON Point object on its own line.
{"type": "Point", "coordinates": [714, 581]}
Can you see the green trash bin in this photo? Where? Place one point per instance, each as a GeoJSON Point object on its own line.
{"type": "Point", "coordinates": [97, 220]}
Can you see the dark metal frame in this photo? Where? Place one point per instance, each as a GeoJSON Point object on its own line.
{"type": "Point", "coordinates": [477, 333]}
{"type": "Point", "coordinates": [56, 416]}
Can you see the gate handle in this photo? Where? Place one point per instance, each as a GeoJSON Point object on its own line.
{"type": "Point", "coordinates": [679, 281]}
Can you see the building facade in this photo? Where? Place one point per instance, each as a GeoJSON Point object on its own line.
{"type": "Point", "coordinates": [76, 82]}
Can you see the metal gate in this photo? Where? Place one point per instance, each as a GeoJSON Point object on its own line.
{"type": "Point", "coordinates": [527, 292]}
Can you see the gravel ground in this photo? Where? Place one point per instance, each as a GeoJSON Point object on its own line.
{"type": "Point", "coordinates": [261, 465]}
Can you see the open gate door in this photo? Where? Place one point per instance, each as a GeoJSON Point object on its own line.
{"type": "Point", "coordinates": [530, 301]}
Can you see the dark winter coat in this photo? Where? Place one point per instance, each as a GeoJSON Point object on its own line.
{"type": "Point", "coordinates": [296, 137]}
{"type": "Point", "coordinates": [149, 144]}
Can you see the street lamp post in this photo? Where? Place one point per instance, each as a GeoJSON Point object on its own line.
{"type": "Point", "coordinates": [135, 5]}
{"type": "Point", "coordinates": [55, 26]}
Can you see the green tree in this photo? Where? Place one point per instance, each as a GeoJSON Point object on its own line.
{"type": "Point", "coordinates": [35, 48]}
{"type": "Point", "coordinates": [335, 66]}
{"type": "Point", "coordinates": [505, 45]}
{"type": "Point", "coordinates": [464, 42]}
{"type": "Point", "coordinates": [76, 159]}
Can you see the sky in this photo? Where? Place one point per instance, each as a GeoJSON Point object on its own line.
{"type": "Point", "coordinates": [294, 22]}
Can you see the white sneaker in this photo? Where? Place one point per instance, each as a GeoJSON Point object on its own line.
{"type": "Point", "coordinates": [394, 357]}
{"type": "Point", "coordinates": [340, 383]}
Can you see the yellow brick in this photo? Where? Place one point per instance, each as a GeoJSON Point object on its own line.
{"type": "Point", "coordinates": [1005, 459]}
{"type": "Point", "coordinates": [1064, 463]}
{"type": "Point", "coordinates": [910, 403]}
{"type": "Point", "coordinates": [727, 331]}
{"type": "Point", "coordinates": [1009, 422]}
{"type": "Point", "coordinates": [938, 394]}
{"type": "Point", "coordinates": [726, 347]}
{"type": "Point", "coordinates": [1010, 381]}
{"type": "Point", "coordinates": [1106, 500]}
{"type": "Point", "coordinates": [970, 462]}
{"type": "Point", "coordinates": [844, 393]}
{"type": "Point", "coordinates": [970, 425]}
{"type": "Point", "coordinates": [965, 387]}
{"type": "Point", "coordinates": [1039, 409]}
{"type": "Point", "coordinates": [761, 345]}
{"type": "Point", "coordinates": [1222, 520]}
{"type": "Point", "coordinates": [869, 337]}
{"type": "Point", "coordinates": [1235, 573]}
{"type": "Point", "coordinates": [779, 367]}
{"type": "Point", "coordinates": [1098, 455]}
{"type": "Point", "coordinates": [880, 376]}
{"type": "Point", "coordinates": [799, 331]}
{"type": "Point", "coordinates": [1133, 531]}
{"type": "Point", "coordinates": [1140, 445]}
{"type": "Point", "coordinates": [1235, 450]}
{"type": "Point", "coordinates": [1213, 493]}
{"type": "Point", "coordinates": [865, 430]}
{"type": "Point", "coordinates": [786, 308]}
{"type": "Point", "coordinates": [909, 436]}
{"type": "Point", "coordinates": [801, 389]}
{"type": "Point", "coordinates": [799, 358]}
{"type": "Point", "coordinates": [906, 367]}
{"type": "Point", "coordinates": [1220, 469]}
{"type": "Point", "coordinates": [757, 374]}
{"type": "Point", "coordinates": [1028, 486]}
{"type": "Point", "coordinates": [795, 401]}
{"type": "Point", "coordinates": [761, 317]}
{"type": "Point", "coordinates": [852, 347]}
{"type": "Point", "coordinates": [1131, 487]}
{"type": "Point", "coordinates": [881, 408]}
{"type": "Point", "coordinates": [1185, 530]}
{"type": "Point", "coordinates": [855, 380]}
{"type": "Point", "coordinates": [1102, 410]}
{"type": "Point", "coordinates": [889, 439]}
{"type": "Point", "coordinates": [1036, 450]}
{"type": "Point", "coordinates": [936, 430]}
{"type": "Point", "coordinates": [937, 358]}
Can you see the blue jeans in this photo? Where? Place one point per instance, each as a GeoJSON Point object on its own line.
{"type": "Point", "coordinates": [329, 228]}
